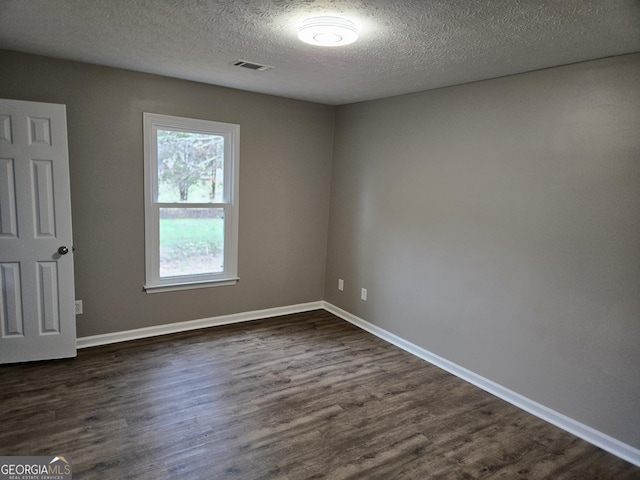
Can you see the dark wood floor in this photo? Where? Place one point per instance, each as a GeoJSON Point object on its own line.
{"type": "Point", "coordinates": [297, 397]}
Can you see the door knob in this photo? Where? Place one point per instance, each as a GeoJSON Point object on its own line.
{"type": "Point", "coordinates": [63, 250]}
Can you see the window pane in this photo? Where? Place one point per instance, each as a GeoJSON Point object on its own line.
{"type": "Point", "coordinates": [190, 167]}
{"type": "Point", "coordinates": [191, 241]}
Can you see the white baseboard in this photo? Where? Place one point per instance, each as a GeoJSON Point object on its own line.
{"type": "Point", "coordinates": [156, 330]}
{"type": "Point", "coordinates": [591, 435]}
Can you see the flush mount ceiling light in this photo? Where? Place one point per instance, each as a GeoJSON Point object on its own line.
{"type": "Point", "coordinates": [328, 31]}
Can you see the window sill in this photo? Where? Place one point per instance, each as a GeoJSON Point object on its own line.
{"type": "Point", "coordinates": [172, 287]}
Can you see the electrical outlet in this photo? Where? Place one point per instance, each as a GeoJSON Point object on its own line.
{"type": "Point", "coordinates": [340, 284]}
{"type": "Point", "coordinates": [78, 307]}
{"type": "Point", "coordinates": [363, 294]}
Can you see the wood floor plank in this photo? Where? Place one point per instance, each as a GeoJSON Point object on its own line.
{"type": "Point", "coordinates": [296, 397]}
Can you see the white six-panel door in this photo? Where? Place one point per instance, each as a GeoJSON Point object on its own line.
{"type": "Point", "coordinates": [37, 314]}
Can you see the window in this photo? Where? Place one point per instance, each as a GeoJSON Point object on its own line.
{"type": "Point", "coordinates": [191, 202]}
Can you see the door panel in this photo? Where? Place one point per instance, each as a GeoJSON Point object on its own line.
{"type": "Point", "coordinates": [43, 215]}
{"type": "Point", "coordinates": [8, 222]}
{"type": "Point", "coordinates": [48, 293]}
{"type": "Point", "coordinates": [11, 313]}
{"type": "Point", "coordinates": [37, 311]}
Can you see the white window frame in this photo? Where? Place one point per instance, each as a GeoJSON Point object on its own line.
{"type": "Point", "coordinates": [153, 122]}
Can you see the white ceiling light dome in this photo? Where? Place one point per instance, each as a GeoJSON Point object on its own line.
{"type": "Point", "coordinates": [328, 31]}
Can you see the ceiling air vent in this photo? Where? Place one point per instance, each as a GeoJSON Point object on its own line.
{"type": "Point", "coordinates": [252, 66]}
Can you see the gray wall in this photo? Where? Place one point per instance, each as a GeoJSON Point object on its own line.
{"type": "Point", "coordinates": [497, 224]}
{"type": "Point", "coordinates": [285, 170]}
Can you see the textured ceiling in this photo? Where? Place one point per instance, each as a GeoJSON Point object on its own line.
{"type": "Point", "coordinates": [405, 45]}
